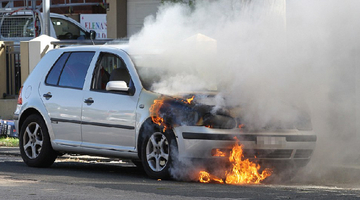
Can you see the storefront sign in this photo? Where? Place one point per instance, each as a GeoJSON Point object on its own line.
{"type": "Point", "coordinates": [96, 22]}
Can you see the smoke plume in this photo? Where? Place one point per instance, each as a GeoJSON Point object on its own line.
{"type": "Point", "coordinates": [263, 56]}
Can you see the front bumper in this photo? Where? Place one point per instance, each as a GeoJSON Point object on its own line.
{"type": "Point", "coordinates": [283, 145]}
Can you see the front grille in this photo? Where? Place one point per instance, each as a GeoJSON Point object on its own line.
{"type": "Point", "coordinates": [267, 153]}
{"type": "Point", "coordinates": [303, 153]}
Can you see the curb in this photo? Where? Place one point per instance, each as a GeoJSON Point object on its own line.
{"type": "Point", "coordinates": [15, 151]}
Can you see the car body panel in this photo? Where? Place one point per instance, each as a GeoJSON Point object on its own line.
{"type": "Point", "coordinates": [109, 120]}
{"type": "Point", "coordinates": [198, 142]}
{"type": "Point", "coordinates": [64, 112]}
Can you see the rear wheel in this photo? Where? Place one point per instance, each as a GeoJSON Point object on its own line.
{"type": "Point", "coordinates": [159, 150]}
{"type": "Point", "coordinates": [34, 142]}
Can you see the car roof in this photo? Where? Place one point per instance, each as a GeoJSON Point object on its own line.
{"type": "Point", "coordinates": [30, 12]}
{"type": "Point", "coordinates": [123, 47]}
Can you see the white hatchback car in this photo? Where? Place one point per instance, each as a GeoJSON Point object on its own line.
{"type": "Point", "coordinates": [93, 100]}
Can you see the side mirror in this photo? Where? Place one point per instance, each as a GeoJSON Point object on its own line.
{"type": "Point", "coordinates": [117, 86]}
{"type": "Point", "coordinates": [92, 35]}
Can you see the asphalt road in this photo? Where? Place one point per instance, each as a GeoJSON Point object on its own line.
{"type": "Point", "coordinates": [77, 178]}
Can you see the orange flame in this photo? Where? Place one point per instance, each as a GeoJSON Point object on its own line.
{"type": "Point", "coordinates": [219, 153]}
{"type": "Point", "coordinates": [205, 177]}
{"type": "Point", "coordinates": [189, 100]}
{"type": "Point", "coordinates": [241, 171]}
{"type": "Point", "coordinates": [155, 113]}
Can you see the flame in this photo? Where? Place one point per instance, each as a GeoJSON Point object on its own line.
{"type": "Point", "coordinates": [206, 177]}
{"type": "Point", "coordinates": [242, 171]}
{"type": "Point", "coordinates": [155, 113]}
{"type": "Point", "coordinates": [189, 100]}
{"type": "Point", "coordinates": [219, 153]}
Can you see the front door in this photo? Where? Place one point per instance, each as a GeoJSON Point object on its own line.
{"type": "Point", "coordinates": [108, 117]}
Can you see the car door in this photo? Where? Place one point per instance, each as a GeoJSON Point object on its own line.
{"type": "Point", "coordinates": [62, 95]}
{"type": "Point", "coordinates": [108, 117]}
{"type": "Point", "coordinates": [66, 30]}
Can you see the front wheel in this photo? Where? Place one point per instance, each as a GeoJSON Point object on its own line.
{"type": "Point", "coordinates": [159, 150]}
{"type": "Point", "coordinates": [34, 142]}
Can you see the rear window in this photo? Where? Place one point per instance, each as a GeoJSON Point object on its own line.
{"type": "Point", "coordinates": [70, 70]}
{"type": "Point", "coordinates": [17, 26]}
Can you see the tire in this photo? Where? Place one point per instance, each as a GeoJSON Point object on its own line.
{"type": "Point", "coordinates": [34, 142]}
{"type": "Point", "coordinates": [158, 153]}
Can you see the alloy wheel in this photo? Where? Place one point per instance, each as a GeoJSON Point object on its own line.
{"type": "Point", "coordinates": [157, 152]}
{"type": "Point", "coordinates": [33, 140]}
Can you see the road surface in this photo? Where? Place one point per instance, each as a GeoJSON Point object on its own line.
{"type": "Point", "coordinates": [71, 178]}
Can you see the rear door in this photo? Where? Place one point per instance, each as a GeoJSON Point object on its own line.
{"type": "Point", "coordinates": [108, 118]}
{"type": "Point", "coordinates": [62, 95]}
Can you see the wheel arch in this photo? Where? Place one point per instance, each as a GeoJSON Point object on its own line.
{"type": "Point", "coordinates": [29, 111]}
{"type": "Point", "coordinates": [26, 114]}
{"type": "Point", "coordinates": [37, 139]}
{"type": "Point", "coordinates": [146, 125]}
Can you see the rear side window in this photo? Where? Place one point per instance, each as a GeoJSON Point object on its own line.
{"type": "Point", "coordinates": [53, 77]}
{"type": "Point", "coordinates": [70, 70]}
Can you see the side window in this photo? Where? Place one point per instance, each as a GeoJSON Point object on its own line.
{"type": "Point", "coordinates": [66, 30]}
{"type": "Point", "coordinates": [109, 68]}
{"type": "Point", "coordinates": [70, 70]}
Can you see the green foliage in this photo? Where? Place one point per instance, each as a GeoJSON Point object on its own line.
{"type": "Point", "coordinates": [9, 142]}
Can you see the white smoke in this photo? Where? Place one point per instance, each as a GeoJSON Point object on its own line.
{"type": "Point", "coordinates": [260, 54]}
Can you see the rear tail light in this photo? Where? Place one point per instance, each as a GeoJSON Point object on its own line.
{"type": "Point", "coordinates": [19, 100]}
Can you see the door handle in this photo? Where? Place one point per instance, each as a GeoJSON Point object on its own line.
{"type": "Point", "coordinates": [89, 101]}
{"type": "Point", "coordinates": [47, 95]}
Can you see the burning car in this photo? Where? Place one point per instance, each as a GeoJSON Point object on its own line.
{"type": "Point", "coordinates": [96, 100]}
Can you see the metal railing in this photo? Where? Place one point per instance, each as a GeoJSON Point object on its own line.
{"type": "Point", "coordinates": [13, 70]}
